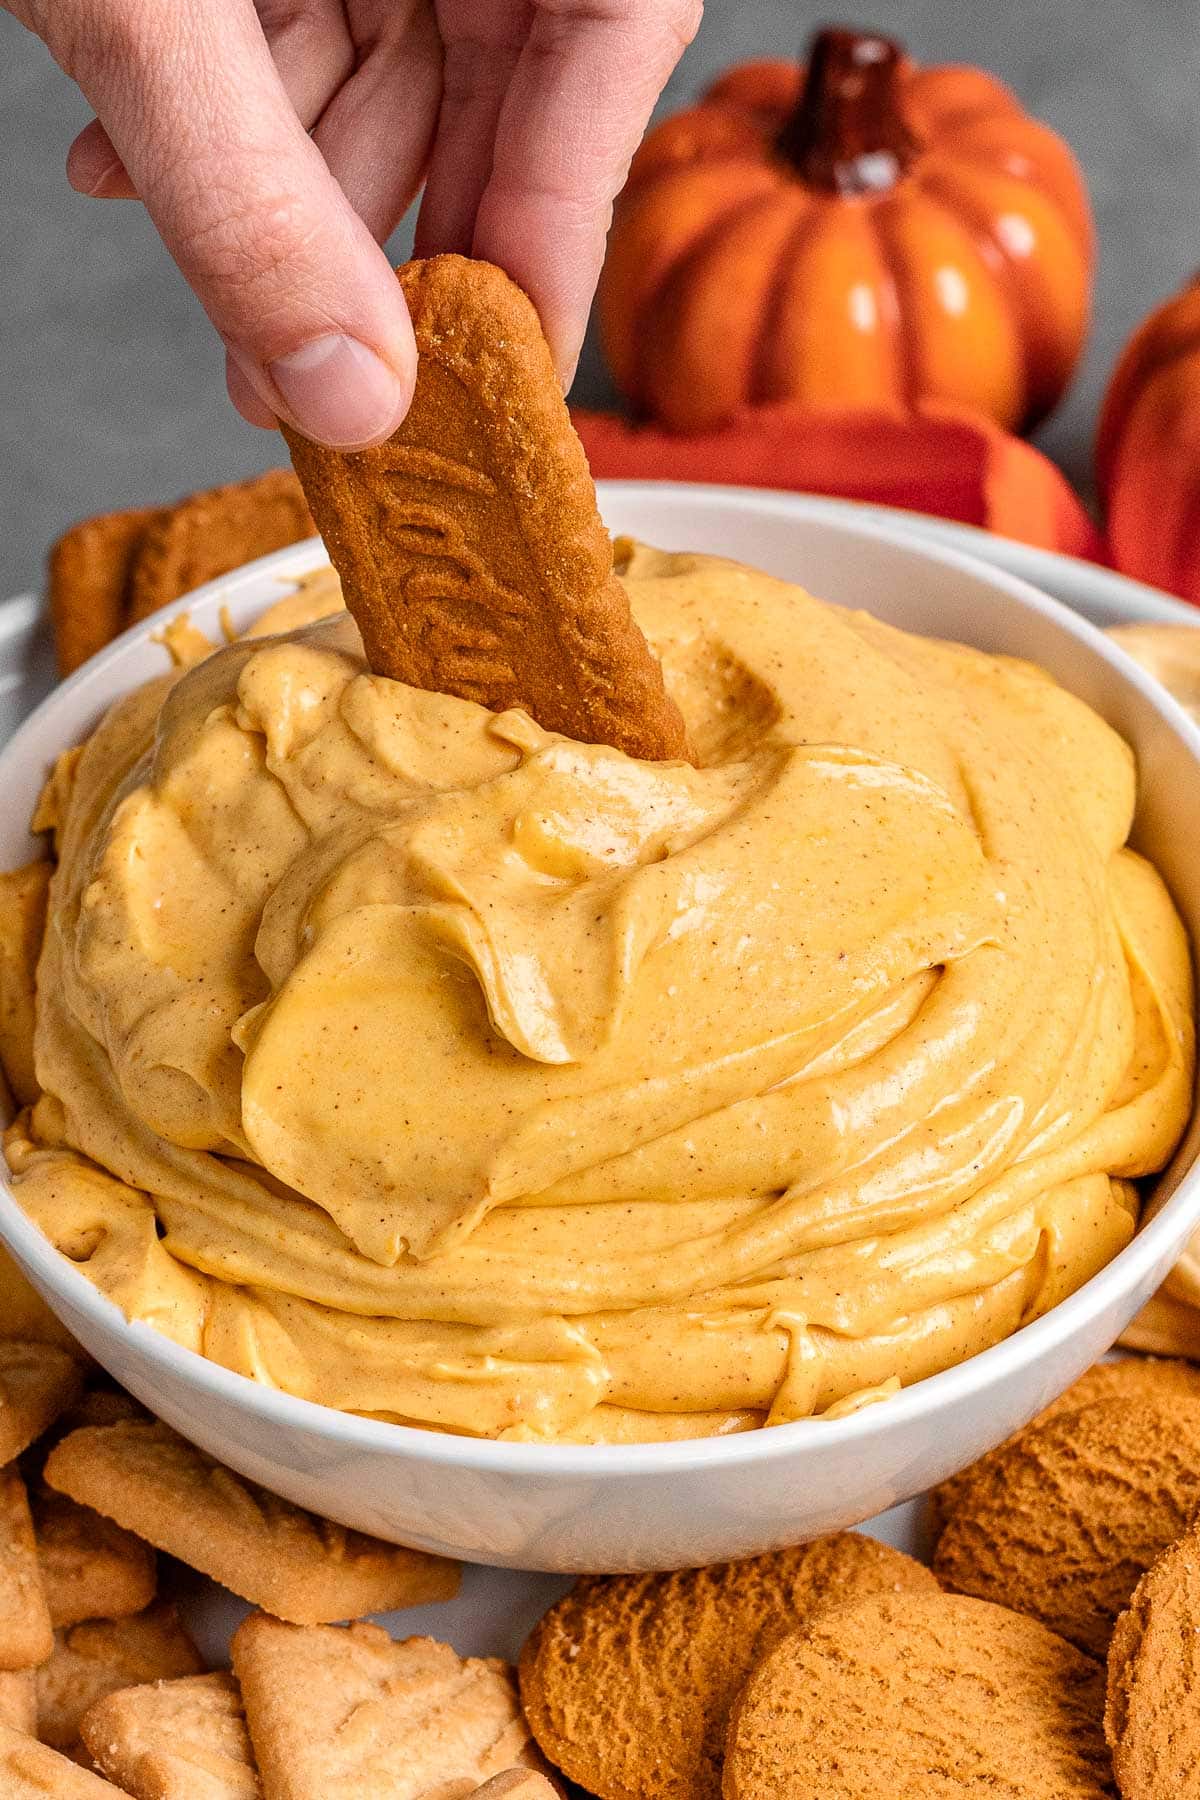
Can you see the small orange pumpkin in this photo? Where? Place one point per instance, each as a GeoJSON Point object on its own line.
{"type": "Point", "coordinates": [865, 233]}
{"type": "Point", "coordinates": [1148, 449]}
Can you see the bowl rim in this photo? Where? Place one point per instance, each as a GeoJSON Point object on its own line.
{"type": "Point", "coordinates": [1029, 1344]}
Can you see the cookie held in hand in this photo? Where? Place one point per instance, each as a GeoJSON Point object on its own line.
{"type": "Point", "coordinates": [469, 546]}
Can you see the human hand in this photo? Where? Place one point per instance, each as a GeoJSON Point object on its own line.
{"type": "Point", "coordinates": [276, 143]}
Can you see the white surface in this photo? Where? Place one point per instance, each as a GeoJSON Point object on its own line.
{"type": "Point", "coordinates": [658, 1505]}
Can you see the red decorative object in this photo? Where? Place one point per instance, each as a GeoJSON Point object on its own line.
{"type": "Point", "coordinates": [954, 465]}
{"type": "Point", "coordinates": [1148, 449]}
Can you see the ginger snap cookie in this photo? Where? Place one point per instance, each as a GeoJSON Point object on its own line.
{"type": "Point", "coordinates": [627, 1682]}
{"type": "Point", "coordinates": [1068, 1518]}
{"type": "Point", "coordinates": [1134, 1380]}
{"type": "Point", "coordinates": [469, 546]}
{"type": "Point", "coordinates": [1152, 1715]}
{"type": "Point", "coordinates": [916, 1697]}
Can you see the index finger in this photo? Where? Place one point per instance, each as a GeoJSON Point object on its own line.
{"type": "Point", "coordinates": [578, 102]}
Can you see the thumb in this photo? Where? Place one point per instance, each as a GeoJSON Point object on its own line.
{"type": "Point", "coordinates": [312, 317]}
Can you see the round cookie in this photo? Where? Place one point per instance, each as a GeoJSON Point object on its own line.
{"type": "Point", "coordinates": [941, 1694]}
{"type": "Point", "coordinates": [1152, 1716]}
{"type": "Point", "coordinates": [1134, 1378]}
{"type": "Point", "coordinates": [627, 1682]}
{"type": "Point", "coordinates": [1068, 1517]}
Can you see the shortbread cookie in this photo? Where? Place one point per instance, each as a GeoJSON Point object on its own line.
{"type": "Point", "coordinates": [90, 1568]}
{"type": "Point", "coordinates": [339, 1712]}
{"type": "Point", "coordinates": [919, 1697]}
{"type": "Point", "coordinates": [1135, 1379]}
{"type": "Point", "coordinates": [26, 1636]}
{"type": "Point", "coordinates": [18, 1699]}
{"type": "Point", "coordinates": [25, 1316]}
{"type": "Point", "coordinates": [210, 533]}
{"type": "Point", "coordinates": [96, 1658]}
{"type": "Point", "coordinates": [23, 895]}
{"type": "Point", "coordinates": [32, 1771]}
{"type": "Point", "coordinates": [517, 1784]}
{"type": "Point", "coordinates": [101, 1403]}
{"type": "Point", "coordinates": [1065, 1522]}
{"type": "Point", "coordinates": [175, 1740]}
{"type": "Point", "coordinates": [1152, 1716]}
{"type": "Point", "coordinates": [37, 1382]}
{"type": "Point", "coordinates": [469, 546]}
{"type": "Point", "coordinates": [628, 1680]}
{"type": "Point", "coordinates": [296, 1565]}
{"type": "Point", "coordinates": [1168, 1325]}
{"type": "Point", "coordinates": [88, 581]}
{"type": "Point", "coordinates": [1172, 655]}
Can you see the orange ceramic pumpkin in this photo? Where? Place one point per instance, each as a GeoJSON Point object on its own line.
{"type": "Point", "coordinates": [865, 233]}
{"type": "Point", "coordinates": [1148, 450]}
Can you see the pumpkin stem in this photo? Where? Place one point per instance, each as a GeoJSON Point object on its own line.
{"type": "Point", "coordinates": [847, 134]}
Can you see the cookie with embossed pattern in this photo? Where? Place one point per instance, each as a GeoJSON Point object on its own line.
{"type": "Point", "coordinates": [90, 1568]}
{"type": "Point", "coordinates": [175, 1740]}
{"type": "Point", "coordinates": [32, 1771]}
{"type": "Point", "coordinates": [212, 532]}
{"type": "Point", "coordinates": [297, 1566]}
{"type": "Point", "coordinates": [516, 1784]}
{"type": "Point", "coordinates": [37, 1383]}
{"type": "Point", "coordinates": [25, 1631]}
{"type": "Point", "coordinates": [102, 1656]}
{"type": "Point", "coordinates": [341, 1712]}
{"type": "Point", "coordinates": [88, 572]}
{"type": "Point", "coordinates": [18, 1699]}
{"type": "Point", "coordinates": [469, 546]}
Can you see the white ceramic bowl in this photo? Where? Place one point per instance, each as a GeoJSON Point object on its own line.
{"type": "Point", "coordinates": [658, 1506]}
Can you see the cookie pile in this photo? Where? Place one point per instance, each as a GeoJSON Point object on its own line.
{"type": "Point", "coordinates": [1050, 1652]}
{"type": "Point", "coordinates": [846, 1671]}
{"type": "Point", "coordinates": [103, 1692]}
{"type": "Point", "coordinates": [110, 571]}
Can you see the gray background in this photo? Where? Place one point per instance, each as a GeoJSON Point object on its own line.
{"type": "Point", "coordinates": [111, 380]}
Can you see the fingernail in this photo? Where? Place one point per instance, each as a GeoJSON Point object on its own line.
{"type": "Point", "coordinates": [339, 392]}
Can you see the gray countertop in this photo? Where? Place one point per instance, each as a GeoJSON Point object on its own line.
{"type": "Point", "coordinates": [111, 379]}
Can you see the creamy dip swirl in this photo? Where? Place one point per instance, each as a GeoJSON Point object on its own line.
{"type": "Point", "coordinates": [416, 1061]}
